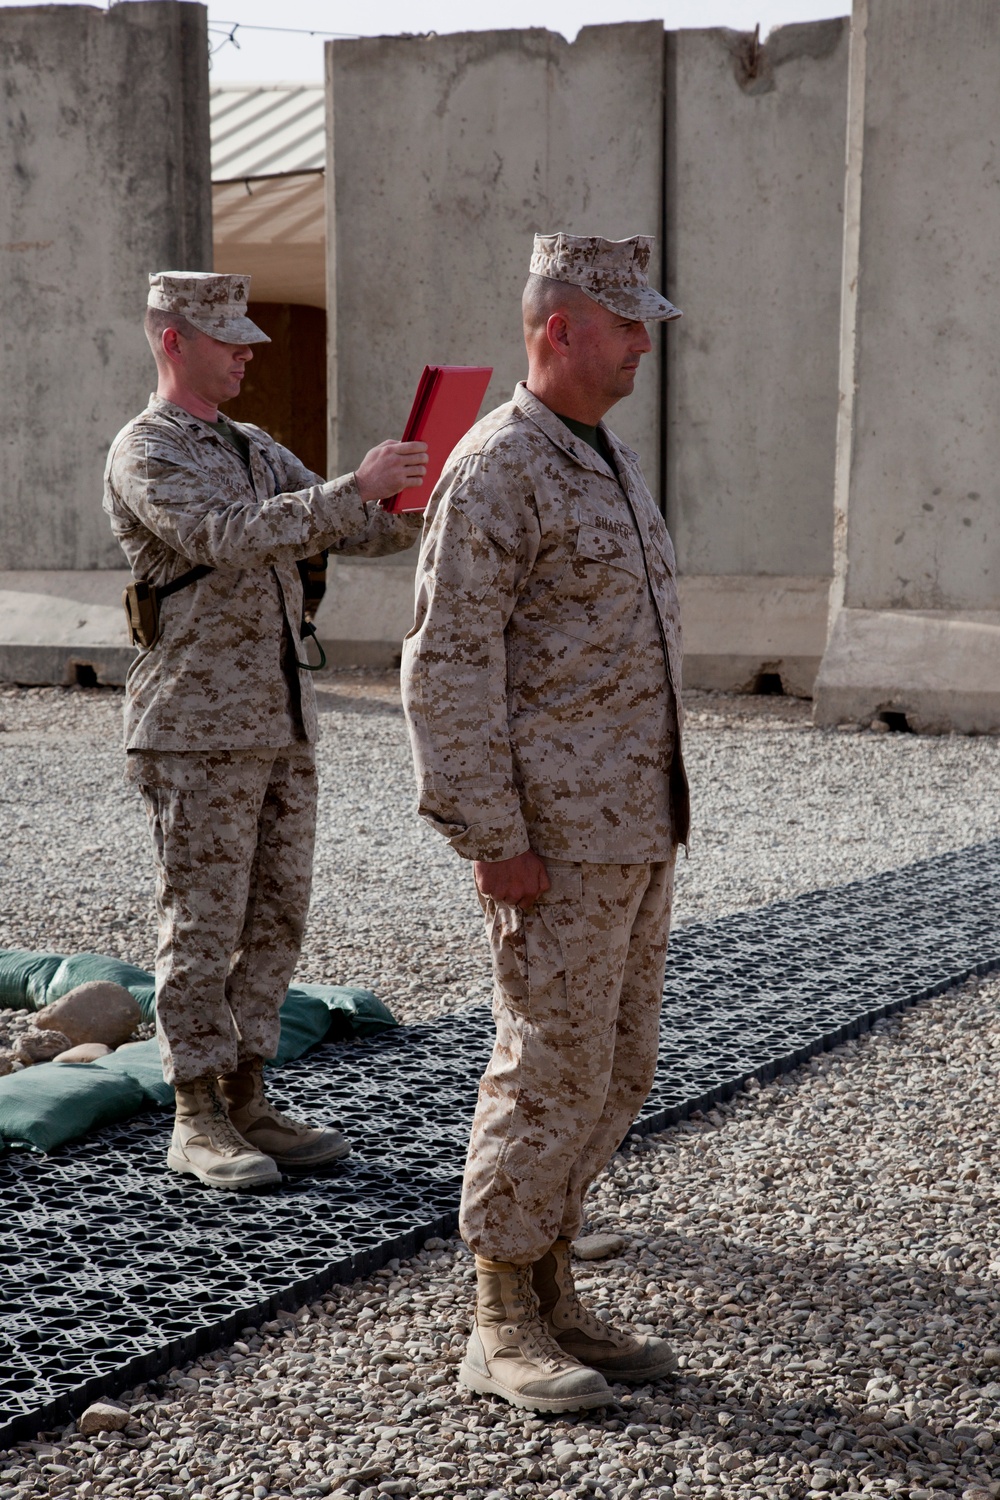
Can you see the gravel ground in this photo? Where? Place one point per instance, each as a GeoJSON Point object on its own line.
{"type": "Point", "coordinates": [820, 1250]}
{"type": "Point", "coordinates": [779, 807]}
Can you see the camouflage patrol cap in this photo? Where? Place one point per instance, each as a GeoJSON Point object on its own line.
{"type": "Point", "coordinates": [612, 272]}
{"type": "Point", "coordinates": [214, 304]}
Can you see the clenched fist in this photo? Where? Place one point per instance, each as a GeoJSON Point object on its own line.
{"type": "Point", "coordinates": [513, 882]}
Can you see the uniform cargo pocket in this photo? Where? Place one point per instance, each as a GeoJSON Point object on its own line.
{"type": "Point", "coordinates": [183, 837]}
{"type": "Point", "coordinates": [505, 930]}
{"type": "Point", "coordinates": [556, 954]}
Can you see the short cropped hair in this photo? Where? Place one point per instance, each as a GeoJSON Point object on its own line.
{"type": "Point", "coordinates": [156, 322]}
{"type": "Point", "coordinates": [542, 297]}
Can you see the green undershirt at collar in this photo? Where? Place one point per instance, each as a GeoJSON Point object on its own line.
{"type": "Point", "coordinates": [232, 436]}
{"type": "Point", "coordinates": [592, 436]}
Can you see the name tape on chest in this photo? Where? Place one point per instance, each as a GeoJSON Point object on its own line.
{"type": "Point", "coordinates": [616, 528]}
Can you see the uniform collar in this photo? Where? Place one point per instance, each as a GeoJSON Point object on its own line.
{"type": "Point", "coordinates": [260, 464]}
{"type": "Point", "coordinates": [558, 433]}
{"type": "Point", "coordinates": [187, 419]}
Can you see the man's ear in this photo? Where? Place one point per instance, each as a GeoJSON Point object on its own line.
{"type": "Point", "coordinates": [557, 333]}
{"type": "Point", "coordinates": [171, 343]}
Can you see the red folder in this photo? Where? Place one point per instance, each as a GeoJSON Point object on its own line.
{"type": "Point", "coordinates": [445, 407]}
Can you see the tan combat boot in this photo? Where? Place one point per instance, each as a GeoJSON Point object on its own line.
{"type": "Point", "coordinates": [512, 1355]}
{"type": "Point", "coordinates": [616, 1353]}
{"type": "Point", "coordinates": [294, 1146]}
{"type": "Point", "coordinates": [206, 1145]}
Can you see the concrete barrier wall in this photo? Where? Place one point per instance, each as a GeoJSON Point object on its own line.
{"type": "Point", "coordinates": [916, 600]}
{"type": "Point", "coordinates": [445, 155]}
{"type": "Point", "coordinates": [104, 175]}
{"type": "Point", "coordinates": [755, 143]}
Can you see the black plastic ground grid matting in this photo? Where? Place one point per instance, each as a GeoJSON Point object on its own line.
{"type": "Point", "coordinates": [114, 1269]}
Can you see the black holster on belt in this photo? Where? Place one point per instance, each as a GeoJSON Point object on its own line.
{"type": "Point", "coordinates": [141, 603]}
{"type": "Point", "coordinates": [312, 572]}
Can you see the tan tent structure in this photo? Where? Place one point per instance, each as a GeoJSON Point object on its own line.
{"type": "Point", "coordinates": [268, 188]}
{"type": "Point", "coordinates": [269, 217]}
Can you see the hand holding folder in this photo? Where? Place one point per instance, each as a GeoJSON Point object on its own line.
{"type": "Point", "coordinates": [445, 407]}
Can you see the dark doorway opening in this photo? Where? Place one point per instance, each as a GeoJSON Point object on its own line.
{"type": "Point", "coordinates": [897, 722]}
{"type": "Point", "coordinates": [284, 389]}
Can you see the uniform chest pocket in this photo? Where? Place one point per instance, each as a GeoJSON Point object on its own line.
{"type": "Point", "coordinates": [613, 549]}
{"type": "Point", "coordinates": [662, 548]}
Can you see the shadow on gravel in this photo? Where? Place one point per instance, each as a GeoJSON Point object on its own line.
{"type": "Point", "coordinates": [853, 1369]}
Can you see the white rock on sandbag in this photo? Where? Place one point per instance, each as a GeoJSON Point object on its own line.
{"type": "Point", "coordinates": [98, 1011]}
{"type": "Point", "coordinates": [85, 1052]}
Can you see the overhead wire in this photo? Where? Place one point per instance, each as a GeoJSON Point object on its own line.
{"type": "Point", "coordinates": [218, 27]}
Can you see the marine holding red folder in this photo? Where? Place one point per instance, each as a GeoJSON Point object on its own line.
{"type": "Point", "coordinates": [221, 719]}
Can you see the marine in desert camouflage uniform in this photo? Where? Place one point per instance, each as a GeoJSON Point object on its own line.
{"type": "Point", "coordinates": [541, 683]}
{"type": "Point", "coordinates": [220, 718]}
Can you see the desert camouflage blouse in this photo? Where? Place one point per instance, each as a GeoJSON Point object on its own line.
{"type": "Point", "coordinates": [542, 673]}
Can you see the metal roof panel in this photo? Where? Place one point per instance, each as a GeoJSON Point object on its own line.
{"type": "Point", "coordinates": [262, 130]}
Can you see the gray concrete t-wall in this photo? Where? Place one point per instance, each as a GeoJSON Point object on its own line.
{"type": "Point", "coordinates": [104, 176]}
{"type": "Point", "coordinates": [755, 170]}
{"type": "Point", "coordinates": [446, 154]}
{"type": "Point", "coordinates": [754, 187]}
{"type": "Point", "coordinates": [924, 459]}
{"type": "Point", "coordinates": [915, 626]}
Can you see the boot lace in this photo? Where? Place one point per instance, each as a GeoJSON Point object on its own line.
{"type": "Point", "coordinates": [538, 1344]}
{"type": "Point", "coordinates": [263, 1109]}
{"type": "Point", "coordinates": [586, 1322]}
{"type": "Point", "coordinates": [219, 1128]}
{"type": "Point", "coordinates": [534, 1339]}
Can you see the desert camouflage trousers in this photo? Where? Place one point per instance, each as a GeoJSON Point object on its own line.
{"type": "Point", "coordinates": [578, 982]}
{"type": "Point", "coordinates": [233, 834]}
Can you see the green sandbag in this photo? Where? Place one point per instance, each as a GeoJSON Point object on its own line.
{"type": "Point", "coordinates": [305, 1021]}
{"type": "Point", "coordinates": [349, 1012]}
{"type": "Point", "coordinates": [84, 968]}
{"type": "Point", "coordinates": [139, 1061]}
{"type": "Point", "coordinates": [30, 981]}
{"type": "Point", "coordinates": [25, 978]}
{"type": "Point", "coordinates": [34, 980]}
{"type": "Point", "coordinates": [51, 1103]}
